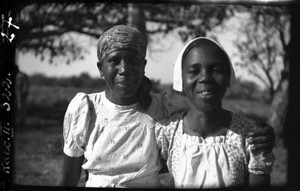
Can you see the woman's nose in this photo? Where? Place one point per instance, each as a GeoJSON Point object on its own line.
{"type": "Point", "coordinates": [204, 76]}
{"type": "Point", "coordinates": [124, 68]}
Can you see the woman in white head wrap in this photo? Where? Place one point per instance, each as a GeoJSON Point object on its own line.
{"type": "Point", "coordinates": [207, 146]}
{"type": "Point", "coordinates": [177, 76]}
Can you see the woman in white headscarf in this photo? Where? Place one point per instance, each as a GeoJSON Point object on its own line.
{"type": "Point", "coordinates": [208, 146]}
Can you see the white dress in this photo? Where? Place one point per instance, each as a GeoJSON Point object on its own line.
{"type": "Point", "coordinates": [118, 142]}
{"type": "Point", "coordinates": [213, 162]}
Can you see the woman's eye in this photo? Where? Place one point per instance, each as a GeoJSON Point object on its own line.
{"type": "Point", "coordinates": [217, 69]}
{"type": "Point", "coordinates": [133, 60]}
{"type": "Point", "coordinates": [113, 61]}
{"type": "Point", "coordinates": [192, 71]}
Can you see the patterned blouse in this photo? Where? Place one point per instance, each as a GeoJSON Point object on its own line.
{"type": "Point", "coordinates": [213, 162]}
{"type": "Point", "coordinates": [118, 142]}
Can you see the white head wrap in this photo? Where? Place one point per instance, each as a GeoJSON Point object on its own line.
{"type": "Point", "coordinates": [177, 76]}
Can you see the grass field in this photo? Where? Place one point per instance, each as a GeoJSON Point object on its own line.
{"type": "Point", "coordinates": [38, 144]}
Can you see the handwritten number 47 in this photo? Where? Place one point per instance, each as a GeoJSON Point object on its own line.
{"type": "Point", "coordinates": [12, 36]}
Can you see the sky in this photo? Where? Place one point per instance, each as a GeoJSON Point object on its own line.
{"type": "Point", "coordinates": [159, 63]}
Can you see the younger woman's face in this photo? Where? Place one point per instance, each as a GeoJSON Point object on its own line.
{"type": "Point", "coordinates": [123, 71]}
{"type": "Point", "coordinates": [205, 77]}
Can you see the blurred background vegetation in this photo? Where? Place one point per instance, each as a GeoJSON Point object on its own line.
{"type": "Point", "coordinates": [47, 30]}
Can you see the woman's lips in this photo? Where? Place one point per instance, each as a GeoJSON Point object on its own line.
{"type": "Point", "coordinates": [206, 93]}
{"type": "Point", "coordinates": [126, 83]}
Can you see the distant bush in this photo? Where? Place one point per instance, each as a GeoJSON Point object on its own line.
{"type": "Point", "coordinates": [247, 90]}
{"type": "Point", "coordinates": [82, 81]}
{"type": "Point", "coordinates": [47, 104]}
{"type": "Point", "coordinates": [53, 112]}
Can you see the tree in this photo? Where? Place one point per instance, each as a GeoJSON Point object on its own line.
{"type": "Point", "coordinates": [265, 47]}
{"type": "Point", "coordinates": [48, 29]}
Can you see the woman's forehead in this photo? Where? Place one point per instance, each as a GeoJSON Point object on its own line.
{"type": "Point", "coordinates": [128, 52]}
{"type": "Point", "coordinates": [205, 52]}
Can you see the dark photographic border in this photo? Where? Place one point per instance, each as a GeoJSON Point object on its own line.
{"type": "Point", "coordinates": [7, 80]}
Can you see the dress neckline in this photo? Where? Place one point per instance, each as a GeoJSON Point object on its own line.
{"type": "Point", "coordinates": [112, 105]}
{"type": "Point", "coordinates": [199, 139]}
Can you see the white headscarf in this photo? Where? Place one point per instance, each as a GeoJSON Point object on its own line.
{"type": "Point", "coordinates": [177, 76]}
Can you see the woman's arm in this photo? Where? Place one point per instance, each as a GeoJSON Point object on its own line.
{"type": "Point", "coordinates": [71, 171]}
{"type": "Point", "coordinates": [263, 139]}
{"type": "Point", "coordinates": [172, 102]}
{"type": "Point", "coordinates": [260, 162]}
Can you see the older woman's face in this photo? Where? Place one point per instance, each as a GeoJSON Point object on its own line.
{"type": "Point", "coordinates": [205, 77]}
{"type": "Point", "coordinates": [123, 71]}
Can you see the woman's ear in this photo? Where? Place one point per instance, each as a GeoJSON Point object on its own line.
{"type": "Point", "coordinates": [99, 65]}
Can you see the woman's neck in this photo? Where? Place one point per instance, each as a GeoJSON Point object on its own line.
{"type": "Point", "coordinates": [118, 100]}
{"type": "Point", "coordinates": [206, 124]}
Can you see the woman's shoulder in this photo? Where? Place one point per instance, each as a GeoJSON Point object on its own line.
{"type": "Point", "coordinates": [172, 120]}
{"type": "Point", "coordinates": [241, 119]}
{"type": "Point", "coordinates": [165, 130]}
{"type": "Point", "coordinates": [96, 97]}
{"type": "Point", "coordinates": [82, 99]}
{"type": "Point", "coordinates": [77, 123]}
{"type": "Point", "coordinates": [242, 124]}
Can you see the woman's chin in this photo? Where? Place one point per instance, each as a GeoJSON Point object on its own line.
{"type": "Point", "coordinates": [206, 107]}
{"type": "Point", "coordinates": [127, 92]}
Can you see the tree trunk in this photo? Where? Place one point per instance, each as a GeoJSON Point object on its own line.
{"type": "Point", "coordinates": [278, 109]}
{"type": "Point", "coordinates": [136, 17]}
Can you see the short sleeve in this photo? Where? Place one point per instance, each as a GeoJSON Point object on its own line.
{"type": "Point", "coordinates": [161, 139]}
{"type": "Point", "coordinates": [75, 126]}
{"type": "Point", "coordinates": [164, 132]}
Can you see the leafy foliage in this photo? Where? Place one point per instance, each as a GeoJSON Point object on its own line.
{"type": "Point", "coordinates": [265, 48]}
{"type": "Point", "coordinates": [52, 29]}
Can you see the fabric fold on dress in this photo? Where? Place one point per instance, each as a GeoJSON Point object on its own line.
{"type": "Point", "coordinates": [212, 162]}
{"type": "Point", "coordinates": [203, 162]}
